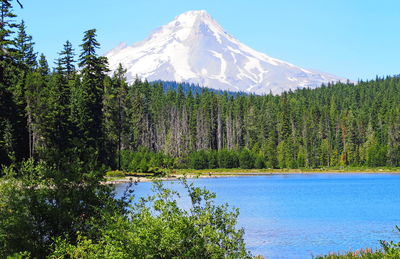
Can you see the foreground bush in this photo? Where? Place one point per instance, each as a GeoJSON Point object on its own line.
{"type": "Point", "coordinates": [39, 204]}
{"type": "Point", "coordinates": [156, 227]}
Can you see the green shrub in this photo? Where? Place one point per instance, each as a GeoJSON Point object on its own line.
{"type": "Point", "coordinates": [144, 161]}
{"type": "Point", "coordinates": [199, 160]}
{"type": "Point", "coordinates": [227, 159]}
{"type": "Point", "coordinates": [39, 203]}
{"type": "Point", "coordinates": [246, 159]}
{"type": "Point", "coordinates": [212, 159]}
{"type": "Point", "coordinates": [157, 227]}
{"type": "Point", "coordinates": [259, 163]}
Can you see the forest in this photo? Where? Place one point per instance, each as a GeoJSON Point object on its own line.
{"type": "Point", "coordinates": [82, 107]}
{"type": "Point", "coordinates": [62, 128]}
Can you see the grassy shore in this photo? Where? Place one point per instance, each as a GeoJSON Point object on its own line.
{"type": "Point", "coordinates": [120, 177]}
{"type": "Point", "coordinates": [286, 170]}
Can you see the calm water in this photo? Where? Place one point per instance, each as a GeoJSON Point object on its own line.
{"type": "Point", "coordinates": [301, 215]}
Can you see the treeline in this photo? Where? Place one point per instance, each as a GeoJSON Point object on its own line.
{"type": "Point", "coordinates": [194, 88]}
{"type": "Point", "coordinates": [335, 125]}
{"type": "Point", "coordinates": [99, 116]}
{"type": "Point", "coordinates": [143, 161]}
{"type": "Point", "coordinates": [82, 109]}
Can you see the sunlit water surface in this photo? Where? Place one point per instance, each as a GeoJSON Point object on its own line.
{"type": "Point", "coordinates": [304, 215]}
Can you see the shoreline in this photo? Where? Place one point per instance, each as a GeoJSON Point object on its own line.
{"type": "Point", "coordinates": [238, 173]}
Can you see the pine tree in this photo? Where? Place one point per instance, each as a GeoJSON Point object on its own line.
{"type": "Point", "coordinates": [43, 67]}
{"type": "Point", "coordinates": [12, 128]}
{"type": "Point", "coordinates": [115, 114]}
{"type": "Point", "coordinates": [88, 117]}
{"type": "Point", "coordinates": [65, 63]}
{"type": "Point", "coordinates": [7, 52]}
{"type": "Point", "coordinates": [25, 55]}
{"type": "Point", "coordinates": [10, 82]}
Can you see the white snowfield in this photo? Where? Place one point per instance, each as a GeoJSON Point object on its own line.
{"type": "Point", "coordinates": [194, 48]}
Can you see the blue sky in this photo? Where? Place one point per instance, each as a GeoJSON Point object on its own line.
{"type": "Point", "coordinates": [357, 39]}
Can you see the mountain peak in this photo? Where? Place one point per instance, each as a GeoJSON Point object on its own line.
{"type": "Point", "coordinates": [193, 13]}
{"type": "Point", "coordinates": [194, 48]}
{"type": "Point", "coordinates": [192, 21]}
{"type": "Point", "coordinates": [194, 16]}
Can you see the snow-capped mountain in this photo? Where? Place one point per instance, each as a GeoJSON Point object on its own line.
{"type": "Point", "coordinates": [194, 48]}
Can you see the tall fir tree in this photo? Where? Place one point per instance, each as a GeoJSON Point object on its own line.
{"type": "Point", "coordinates": [14, 110]}
{"type": "Point", "coordinates": [65, 63]}
{"type": "Point", "coordinates": [115, 114]}
{"type": "Point", "coordinates": [88, 116]}
{"type": "Point", "coordinates": [25, 54]}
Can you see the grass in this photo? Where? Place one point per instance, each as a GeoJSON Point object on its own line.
{"type": "Point", "coordinates": [118, 175]}
{"type": "Point", "coordinates": [287, 170]}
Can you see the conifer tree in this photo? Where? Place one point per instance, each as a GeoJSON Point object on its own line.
{"type": "Point", "coordinates": [9, 77]}
{"type": "Point", "coordinates": [88, 116]}
{"type": "Point", "coordinates": [65, 63]}
{"type": "Point", "coordinates": [43, 67]}
{"type": "Point", "coordinates": [7, 52]}
{"type": "Point", "coordinates": [25, 55]}
{"type": "Point", "coordinates": [25, 61]}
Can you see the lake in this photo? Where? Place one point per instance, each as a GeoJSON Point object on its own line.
{"type": "Point", "coordinates": [304, 215]}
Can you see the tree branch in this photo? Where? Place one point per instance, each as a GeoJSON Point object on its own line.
{"type": "Point", "coordinates": [20, 4]}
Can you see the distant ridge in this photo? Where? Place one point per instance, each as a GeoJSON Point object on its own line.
{"type": "Point", "coordinates": [195, 89]}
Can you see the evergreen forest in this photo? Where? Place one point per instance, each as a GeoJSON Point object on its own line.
{"type": "Point", "coordinates": [63, 127]}
{"type": "Point", "coordinates": [81, 107]}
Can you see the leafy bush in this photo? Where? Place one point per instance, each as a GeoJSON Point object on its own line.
{"type": "Point", "coordinates": [259, 162]}
{"type": "Point", "coordinates": [212, 159]}
{"type": "Point", "coordinates": [199, 160]}
{"type": "Point", "coordinates": [227, 159]}
{"type": "Point", "coordinates": [39, 203]}
{"type": "Point", "coordinates": [246, 159]}
{"type": "Point", "coordinates": [157, 227]}
{"type": "Point", "coordinates": [144, 161]}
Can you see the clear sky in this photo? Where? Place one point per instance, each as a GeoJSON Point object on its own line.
{"type": "Point", "coordinates": [357, 39]}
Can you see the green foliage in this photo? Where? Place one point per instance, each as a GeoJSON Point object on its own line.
{"type": "Point", "coordinates": [259, 162]}
{"type": "Point", "coordinates": [79, 125]}
{"type": "Point", "coordinates": [199, 160]}
{"type": "Point", "coordinates": [145, 161]}
{"type": "Point", "coordinates": [391, 249]}
{"type": "Point", "coordinates": [246, 159]}
{"type": "Point", "coordinates": [25, 55]}
{"type": "Point", "coordinates": [39, 203]}
{"type": "Point", "coordinates": [157, 227]}
{"type": "Point", "coordinates": [228, 159]}
{"type": "Point", "coordinates": [65, 63]}
{"type": "Point", "coordinates": [43, 66]}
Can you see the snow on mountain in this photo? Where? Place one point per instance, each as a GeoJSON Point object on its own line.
{"type": "Point", "coordinates": [194, 48]}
